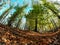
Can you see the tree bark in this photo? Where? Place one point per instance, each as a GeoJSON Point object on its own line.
{"type": "Point", "coordinates": [36, 25]}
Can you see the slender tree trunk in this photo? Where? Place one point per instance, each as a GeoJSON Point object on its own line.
{"type": "Point", "coordinates": [12, 18]}
{"type": "Point", "coordinates": [35, 25]}
{"type": "Point", "coordinates": [9, 23]}
{"type": "Point", "coordinates": [29, 27]}
{"type": "Point", "coordinates": [54, 24]}
{"type": "Point", "coordinates": [18, 23]}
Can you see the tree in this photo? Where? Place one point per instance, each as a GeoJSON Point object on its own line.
{"type": "Point", "coordinates": [40, 15]}
{"type": "Point", "coordinates": [38, 19]}
{"type": "Point", "coordinates": [35, 14]}
{"type": "Point", "coordinates": [52, 7]}
{"type": "Point", "coordinates": [16, 15]}
{"type": "Point", "coordinates": [5, 13]}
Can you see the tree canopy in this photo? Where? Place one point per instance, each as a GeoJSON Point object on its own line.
{"type": "Point", "coordinates": [44, 16]}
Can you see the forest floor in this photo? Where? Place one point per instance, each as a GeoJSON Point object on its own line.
{"type": "Point", "coordinates": [14, 36]}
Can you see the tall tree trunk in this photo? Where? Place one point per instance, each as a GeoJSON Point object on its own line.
{"type": "Point", "coordinates": [12, 18]}
{"type": "Point", "coordinates": [18, 23]}
{"type": "Point", "coordinates": [54, 23]}
{"type": "Point", "coordinates": [55, 26]}
{"type": "Point", "coordinates": [35, 25]}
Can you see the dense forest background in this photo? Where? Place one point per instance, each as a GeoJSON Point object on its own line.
{"type": "Point", "coordinates": [36, 15]}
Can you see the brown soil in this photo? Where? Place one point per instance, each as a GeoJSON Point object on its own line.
{"type": "Point", "coordinates": [14, 36]}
